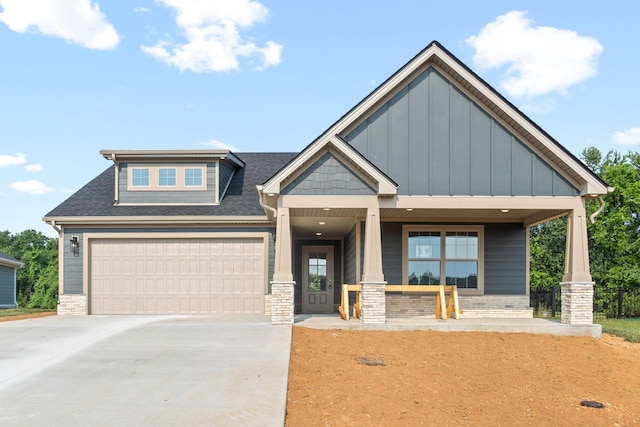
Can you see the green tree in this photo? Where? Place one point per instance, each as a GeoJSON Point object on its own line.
{"type": "Point", "coordinates": [38, 277]}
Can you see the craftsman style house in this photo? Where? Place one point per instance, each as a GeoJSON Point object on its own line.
{"type": "Point", "coordinates": [434, 178]}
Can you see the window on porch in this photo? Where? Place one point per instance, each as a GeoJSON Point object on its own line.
{"type": "Point", "coordinates": [439, 255]}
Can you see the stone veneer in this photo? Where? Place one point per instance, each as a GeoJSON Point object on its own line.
{"type": "Point", "coordinates": [473, 306]}
{"type": "Point", "coordinates": [282, 303]}
{"type": "Point", "coordinates": [373, 303]}
{"type": "Point", "coordinates": [72, 305]}
{"type": "Point", "coordinates": [577, 303]}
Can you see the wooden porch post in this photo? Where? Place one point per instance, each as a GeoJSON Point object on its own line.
{"type": "Point", "coordinates": [282, 286]}
{"type": "Point", "coordinates": [373, 284]}
{"type": "Point", "coordinates": [577, 284]}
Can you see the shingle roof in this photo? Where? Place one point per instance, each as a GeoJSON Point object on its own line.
{"type": "Point", "coordinates": [7, 259]}
{"type": "Point", "coordinates": [97, 197]}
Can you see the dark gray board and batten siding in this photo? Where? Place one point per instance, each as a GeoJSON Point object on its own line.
{"type": "Point", "coordinates": [431, 139]}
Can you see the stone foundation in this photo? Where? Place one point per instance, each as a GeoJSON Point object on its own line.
{"type": "Point", "coordinates": [72, 305]}
{"type": "Point", "coordinates": [373, 303]}
{"type": "Point", "coordinates": [480, 306]}
{"type": "Point", "coordinates": [282, 303]}
{"type": "Point", "coordinates": [577, 303]}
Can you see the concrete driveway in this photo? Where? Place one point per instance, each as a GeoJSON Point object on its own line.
{"type": "Point", "coordinates": [143, 371]}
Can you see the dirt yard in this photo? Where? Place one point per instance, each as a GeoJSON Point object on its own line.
{"type": "Point", "coordinates": [375, 378]}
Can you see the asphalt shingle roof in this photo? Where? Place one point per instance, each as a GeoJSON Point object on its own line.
{"type": "Point", "coordinates": [97, 197]}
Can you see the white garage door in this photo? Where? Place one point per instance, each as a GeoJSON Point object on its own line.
{"type": "Point", "coordinates": [173, 276]}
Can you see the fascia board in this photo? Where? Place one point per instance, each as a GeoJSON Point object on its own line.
{"type": "Point", "coordinates": [122, 220]}
{"type": "Point", "coordinates": [9, 263]}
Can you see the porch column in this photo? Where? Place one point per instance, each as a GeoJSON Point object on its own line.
{"type": "Point", "coordinates": [373, 284]}
{"type": "Point", "coordinates": [282, 284]}
{"type": "Point", "coordinates": [577, 285]}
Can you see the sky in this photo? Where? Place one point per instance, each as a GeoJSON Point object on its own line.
{"type": "Point", "coordinates": [79, 76]}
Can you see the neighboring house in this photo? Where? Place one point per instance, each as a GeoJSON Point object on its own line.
{"type": "Point", "coordinates": [8, 267]}
{"type": "Point", "coordinates": [432, 178]}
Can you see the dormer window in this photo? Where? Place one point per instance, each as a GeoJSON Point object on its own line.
{"type": "Point", "coordinates": [193, 177]}
{"type": "Point", "coordinates": [167, 177]}
{"type": "Point", "coordinates": [140, 177]}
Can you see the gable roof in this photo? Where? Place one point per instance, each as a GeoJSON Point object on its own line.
{"type": "Point", "coordinates": [94, 203]}
{"type": "Point", "coordinates": [435, 55]}
{"type": "Point", "coordinates": [9, 260]}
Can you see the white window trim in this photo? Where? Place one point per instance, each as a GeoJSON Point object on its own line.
{"type": "Point", "coordinates": [202, 177]}
{"type": "Point", "coordinates": [154, 177]}
{"type": "Point", "coordinates": [175, 171]}
{"type": "Point", "coordinates": [443, 230]}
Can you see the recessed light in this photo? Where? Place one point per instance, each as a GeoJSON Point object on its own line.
{"type": "Point", "coordinates": [326, 209]}
{"type": "Point", "coordinates": [409, 209]}
{"type": "Point", "coordinates": [321, 222]}
{"type": "Point", "coordinates": [270, 194]}
{"type": "Point", "coordinates": [504, 210]}
{"type": "Point", "coordinates": [318, 234]}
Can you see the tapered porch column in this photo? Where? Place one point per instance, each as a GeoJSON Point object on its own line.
{"type": "Point", "coordinates": [373, 284]}
{"type": "Point", "coordinates": [577, 284]}
{"type": "Point", "coordinates": [282, 284]}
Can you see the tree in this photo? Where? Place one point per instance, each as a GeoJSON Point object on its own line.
{"type": "Point", "coordinates": [37, 279]}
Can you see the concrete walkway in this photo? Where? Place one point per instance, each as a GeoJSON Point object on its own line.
{"type": "Point", "coordinates": [530, 326]}
{"type": "Point", "coordinates": [143, 371]}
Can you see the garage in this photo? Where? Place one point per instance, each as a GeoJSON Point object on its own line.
{"type": "Point", "coordinates": [177, 276]}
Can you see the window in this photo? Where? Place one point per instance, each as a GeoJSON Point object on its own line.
{"type": "Point", "coordinates": [167, 177]}
{"type": "Point", "coordinates": [140, 177]}
{"type": "Point", "coordinates": [193, 177]}
{"type": "Point", "coordinates": [444, 255]}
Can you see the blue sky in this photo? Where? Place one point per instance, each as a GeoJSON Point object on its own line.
{"type": "Point", "coordinates": [78, 76]}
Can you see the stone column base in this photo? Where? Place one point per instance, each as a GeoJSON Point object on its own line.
{"type": "Point", "coordinates": [373, 301]}
{"type": "Point", "coordinates": [72, 305]}
{"type": "Point", "coordinates": [282, 303]}
{"type": "Point", "coordinates": [577, 303]}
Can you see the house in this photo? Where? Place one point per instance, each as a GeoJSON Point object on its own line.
{"type": "Point", "coordinates": [433, 178]}
{"type": "Point", "coordinates": [8, 267]}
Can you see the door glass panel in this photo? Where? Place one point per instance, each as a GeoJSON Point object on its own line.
{"type": "Point", "coordinates": [317, 272]}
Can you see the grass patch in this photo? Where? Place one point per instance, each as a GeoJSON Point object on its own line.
{"type": "Point", "coordinates": [629, 329]}
{"type": "Point", "coordinates": [11, 312]}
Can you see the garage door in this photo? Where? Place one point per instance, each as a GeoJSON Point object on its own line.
{"type": "Point", "coordinates": [174, 276]}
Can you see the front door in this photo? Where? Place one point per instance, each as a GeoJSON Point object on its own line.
{"type": "Point", "coordinates": [317, 279]}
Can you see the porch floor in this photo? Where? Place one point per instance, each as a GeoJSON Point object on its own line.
{"type": "Point", "coordinates": [505, 325]}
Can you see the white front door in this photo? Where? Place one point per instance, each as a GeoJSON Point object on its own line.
{"type": "Point", "coordinates": [317, 279]}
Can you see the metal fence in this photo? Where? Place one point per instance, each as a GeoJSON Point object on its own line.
{"type": "Point", "coordinates": [608, 303]}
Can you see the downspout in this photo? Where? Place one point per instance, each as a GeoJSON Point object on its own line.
{"type": "Point", "coordinates": [263, 204]}
{"type": "Point", "coordinates": [55, 227]}
{"type": "Point", "coordinates": [593, 216]}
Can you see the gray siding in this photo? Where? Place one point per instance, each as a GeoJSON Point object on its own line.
{"type": "Point", "coordinates": [350, 257]}
{"type": "Point", "coordinates": [505, 257]}
{"type": "Point", "coordinates": [328, 175]}
{"type": "Point", "coordinates": [73, 266]}
{"type": "Point", "coordinates": [431, 139]}
{"type": "Point", "coordinates": [167, 197]}
{"type": "Point", "coordinates": [7, 286]}
{"type": "Point", "coordinates": [392, 252]}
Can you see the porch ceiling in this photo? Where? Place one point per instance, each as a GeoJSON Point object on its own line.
{"type": "Point", "coordinates": [336, 222]}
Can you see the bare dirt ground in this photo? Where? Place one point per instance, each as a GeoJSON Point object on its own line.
{"type": "Point", "coordinates": [465, 378]}
{"type": "Point", "coordinates": [27, 316]}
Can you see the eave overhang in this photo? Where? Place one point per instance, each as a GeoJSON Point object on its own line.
{"type": "Point", "coordinates": [171, 155]}
{"type": "Point", "coordinates": [156, 220]}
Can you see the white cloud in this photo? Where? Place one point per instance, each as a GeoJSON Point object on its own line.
{"type": "Point", "coordinates": [9, 160]}
{"type": "Point", "coordinates": [627, 137]}
{"type": "Point", "coordinates": [213, 40]}
{"type": "Point", "coordinates": [77, 21]}
{"type": "Point", "coordinates": [140, 9]}
{"type": "Point", "coordinates": [35, 167]}
{"type": "Point", "coordinates": [219, 145]}
{"type": "Point", "coordinates": [31, 187]}
{"type": "Point", "coordinates": [540, 60]}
